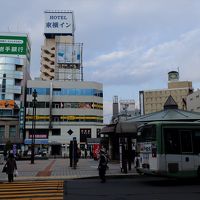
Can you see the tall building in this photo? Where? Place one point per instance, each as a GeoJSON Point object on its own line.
{"type": "Point", "coordinates": [67, 107]}
{"type": "Point", "coordinates": [15, 54]}
{"type": "Point", "coordinates": [61, 57]}
{"type": "Point", "coordinates": [153, 100]}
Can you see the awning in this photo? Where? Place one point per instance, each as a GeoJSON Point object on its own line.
{"type": "Point", "coordinates": [108, 129]}
{"type": "Point", "coordinates": [93, 140]}
{"type": "Point", "coordinates": [127, 127]}
{"type": "Point", "coordinates": [37, 141]}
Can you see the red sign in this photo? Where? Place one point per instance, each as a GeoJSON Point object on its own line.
{"type": "Point", "coordinates": [39, 136]}
{"type": "Point", "coordinates": [96, 150]}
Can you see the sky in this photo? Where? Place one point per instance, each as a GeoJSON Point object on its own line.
{"type": "Point", "coordinates": [128, 45]}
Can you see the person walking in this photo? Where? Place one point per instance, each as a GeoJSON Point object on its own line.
{"type": "Point", "coordinates": [103, 160]}
{"type": "Point", "coordinates": [11, 166]}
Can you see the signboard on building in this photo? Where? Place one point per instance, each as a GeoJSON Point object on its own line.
{"type": "Point", "coordinates": [7, 104]}
{"type": "Point", "coordinates": [13, 45]}
{"type": "Point", "coordinates": [59, 22]}
{"type": "Point", "coordinates": [68, 53]}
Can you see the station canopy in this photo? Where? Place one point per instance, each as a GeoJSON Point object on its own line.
{"type": "Point", "coordinates": [170, 113]}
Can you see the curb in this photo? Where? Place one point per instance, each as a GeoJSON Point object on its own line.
{"type": "Point", "coordinates": [46, 178]}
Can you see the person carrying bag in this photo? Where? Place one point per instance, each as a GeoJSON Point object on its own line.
{"type": "Point", "coordinates": [4, 170]}
{"type": "Point", "coordinates": [11, 167]}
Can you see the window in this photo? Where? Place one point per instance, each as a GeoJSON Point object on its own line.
{"type": "Point", "coordinates": [55, 131]}
{"type": "Point", "coordinates": [12, 131]}
{"type": "Point", "coordinates": [84, 134]}
{"type": "Point", "coordinates": [147, 133]}
{"type": "Point", "coordinates": [196, 141]}
{"type": "Point", "coordinates": [98, 132]}
{"type": "Point", "coordinates": [186, 141]}
{"type": "Point", "coordinates": [2, 131]}
{"type": "Point", "coordinates": [172, 141]}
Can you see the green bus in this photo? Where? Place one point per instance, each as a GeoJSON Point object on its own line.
{"type": "Point", "coordinates": [169, 149]}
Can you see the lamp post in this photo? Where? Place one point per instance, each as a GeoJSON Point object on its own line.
{"type": "Point", "coordinates": [34, 101]}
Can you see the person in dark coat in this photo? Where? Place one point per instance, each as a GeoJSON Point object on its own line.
{"type": "Point", "coordinates": [103, 160]}
{"type": "Point", "coordinates": [11, 166]}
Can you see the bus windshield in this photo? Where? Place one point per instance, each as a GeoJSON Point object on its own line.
{"type": "Point", "coordinates": [146, 133]}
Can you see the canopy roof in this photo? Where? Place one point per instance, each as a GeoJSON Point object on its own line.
{"type": "Point", "coordinates": [170, 113]}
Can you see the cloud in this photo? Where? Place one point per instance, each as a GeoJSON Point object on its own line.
{"type": "Point", "coordinates": [140, 65]}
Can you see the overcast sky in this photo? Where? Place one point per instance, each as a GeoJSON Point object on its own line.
{"type": "Point", "coordinates": [128, 45]}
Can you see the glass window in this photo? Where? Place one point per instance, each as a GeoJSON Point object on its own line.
{"type": "Point", "coordinates": [72, 91]}
{"type": "Point", "coordinates": [56, 91]}
{"type": "Point", "coordinates": [196, 141]}
{"type": "Point", "coordinates": [2, 131]}
{"type": "Point", "coordinates": [56, 132]}
{"type": "Point", "coordinates": [84, 134]}
{"type": "Point", "coordinates": [147, 133]}
{"type": "Point", "coordinates": [12, 131]}
{"type": "Point", "coordinates": [186, 141]}
{"type": "Point", "coordinates": [172, 141]}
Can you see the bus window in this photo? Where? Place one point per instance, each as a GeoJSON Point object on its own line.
{"type": "Point", "coordinates": [147, 134]}
{"type": "Point", "coordinates": [196, 141]}
{"type": "Point", "coordinates": [172, 141]}
{"type": "Point", "coordinates": [186, 141]}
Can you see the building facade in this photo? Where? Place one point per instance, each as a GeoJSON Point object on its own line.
{"type": "Point", "coordinates": [67, 107]}
{"type": "Point", "coordinates": [193, 101]}
{"type": "Point", "coordinates": [153, 100]}
{"type": "Point", "coordinates": [15, 54]}
{"type": "Point", "coordinates": [61, 57]}
{"type": "Point", "coordinates": [64, 110]}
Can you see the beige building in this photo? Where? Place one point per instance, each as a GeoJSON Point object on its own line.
{"type": "Point", "coordinates": [61, 57]}
{"type": "Point", "coordinates": [153, 100]}
{"type": "Point", "coordinates": [48, 56]}
{"type": "Point", "coordinates": [193, 103]}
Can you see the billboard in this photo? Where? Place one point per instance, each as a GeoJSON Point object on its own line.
{"type": "Point", "coordinates": [7, 104]}
{"type": "Point", "coordinates": [15, 45]}
{"type": "Point", "coordinates": [59, 22]}
{"type": "Point", "coordinates": [68, 53]}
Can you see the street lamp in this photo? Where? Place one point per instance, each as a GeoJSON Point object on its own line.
{"type": "Point", "coordinates": [34, 101]}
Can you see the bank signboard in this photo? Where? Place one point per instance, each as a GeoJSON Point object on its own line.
{"type": "Point", "coordinates": [59, 22]}
{"type": "Point", "coordinates": [13, 45]}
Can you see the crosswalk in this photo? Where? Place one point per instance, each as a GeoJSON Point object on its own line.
{"type": "Point", "coordinates": [30, 190]}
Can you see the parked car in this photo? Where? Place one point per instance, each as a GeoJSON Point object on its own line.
{"type": "Point", "coordinates": [43, 152]}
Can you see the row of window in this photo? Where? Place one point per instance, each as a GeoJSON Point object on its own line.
{"type": "Point", "coordinates": [69, 91]}
{"type": "Point", "coordinates": [63, 118]}
{"type": "Point", "coordinates": [167, 92]}
{"type": "Point", "coordinates": [86, 105]}
{"type": "Point", "coordinates": [12, 131]}
{"type": "Point", "coordinates": [84, 133]}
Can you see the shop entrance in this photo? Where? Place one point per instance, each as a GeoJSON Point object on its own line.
{"type": "Point", "coordinates": [56, 150]}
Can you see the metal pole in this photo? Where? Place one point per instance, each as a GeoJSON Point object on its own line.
{"type": "Point", "coordinates": [34, 94]}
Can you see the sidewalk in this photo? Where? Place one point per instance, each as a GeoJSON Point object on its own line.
{"type": "Point", "coordinates": [59, 169]}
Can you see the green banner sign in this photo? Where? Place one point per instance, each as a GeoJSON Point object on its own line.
{"type": "Point", "coordinates": [15, 45]}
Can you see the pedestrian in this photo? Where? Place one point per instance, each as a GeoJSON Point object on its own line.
{"type": "Point", "coordinates": [11, 167]}
{"type": "Point", "coordinates": [103, 161]}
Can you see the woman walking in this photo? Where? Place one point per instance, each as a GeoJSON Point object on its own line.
{"type": "Point", "coordinates": [11, 166]}
{"type": "Point", "coordinates": [103, 161]}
